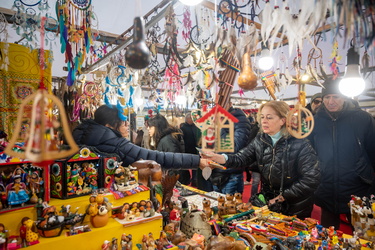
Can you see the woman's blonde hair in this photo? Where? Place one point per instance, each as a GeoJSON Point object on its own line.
{"type": "Point", "coordinates": [281, 108]}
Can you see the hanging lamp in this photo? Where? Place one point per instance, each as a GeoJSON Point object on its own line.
{"type": "Point", "coordinates": [352, 84]}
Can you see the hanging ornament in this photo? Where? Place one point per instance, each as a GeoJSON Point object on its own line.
{"type": "Point", "coordinates": [43, 134]}
{"type": "Point", "coordinates": [138, 55]}
{"type": "Point", "coordinates": [74, 17]}
{"type": "Point", "coordinates": [300, 120]}
{"type": "Point", "coordinates": [247, 79]}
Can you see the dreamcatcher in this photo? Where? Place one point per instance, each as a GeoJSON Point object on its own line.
{"type": "Point", "coordinates": [74, 18]}
{"type": "Point", "coordinates": [27, 18]}
{"type": "Point", "coordinates": [300, 120]}
{"type": "Point", "coordinates": [43, 134]}
{"type": "Point", "coordinates": [4, 46]}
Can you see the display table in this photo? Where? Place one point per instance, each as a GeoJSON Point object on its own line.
{"type": "Point", "coordinates": [89, 240]}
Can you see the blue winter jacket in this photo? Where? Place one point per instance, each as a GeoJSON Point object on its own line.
{"type": "Point", "coordinates": [346, 149]}
{"type": "Point", "coordinates": [108, 140]}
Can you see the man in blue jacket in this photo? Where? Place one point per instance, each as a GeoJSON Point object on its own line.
{"type": "Point", "coordinates": [344, 139]}
{"type": "Point", "coordinates": [231, 181]}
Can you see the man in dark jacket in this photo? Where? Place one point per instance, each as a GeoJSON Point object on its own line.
{"type": "Point", "coordinates": [230, 181]}
{"type": "Point", "coordinates": [315, 103]}
{"type": "Point", "coordinates": [344, 139]}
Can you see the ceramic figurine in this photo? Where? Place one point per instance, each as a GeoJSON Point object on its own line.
{"type": "Point", "coordinates": [31, 236]}
{"type": "Point", "coordinates": [3, 195]}
{"type": "Point", "coordinates": [17, 192]}
{"type": "Point", "coordinates": [114, 245]}
{"type": "Point", "coordinates": [126, 242]}
{"type": "Point", "coordinates": [23, 230]}
{"type": "Point", "coordinates": [36, 184]}
{"type": "Point", "coordinates": [3, 237]}
{"type": "Point", "coordinates": [149, 210]}
{"type": "Point", "coordinates": [106, 245]}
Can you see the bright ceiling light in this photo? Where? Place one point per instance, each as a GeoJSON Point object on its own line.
{"type": "Point", "coordinates": [191, 2]}
{"type": "Point", "coordinates": [181, 100]}
{"type": "Point", "coordinates": [265, 61]}
{"type": "Point", "coordinates": [305, 77]}
{"type": "Point", "coordinates": [352, 84]}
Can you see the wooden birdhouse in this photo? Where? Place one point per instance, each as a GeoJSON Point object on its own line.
{"type": "Point", "coordinates": [212, 124]}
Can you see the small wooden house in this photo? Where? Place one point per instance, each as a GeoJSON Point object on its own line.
{"type": "Point", "coordinates": [212, 124]}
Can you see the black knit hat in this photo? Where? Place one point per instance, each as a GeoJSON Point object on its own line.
{"type": "Point", "coordinates": [317, 95]}
{"type": "Point", "coordinates": [331, 87]}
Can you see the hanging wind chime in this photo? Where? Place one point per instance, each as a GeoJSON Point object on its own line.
{"type": "Point", "coordinates": [43, 133]}
{"type": "Point", "coordinates": [300, 120]}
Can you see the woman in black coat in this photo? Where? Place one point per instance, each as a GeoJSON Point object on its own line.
{"type": "Point", "coordinates": [288, 166]}
{"type": "Point", "coordinates": [106, 131]}
{"type": "Point", "coordinates": [166, 138]}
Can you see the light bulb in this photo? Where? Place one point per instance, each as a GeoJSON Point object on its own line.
{"type": "Point", "coordinates": [138, 101]}
{"type": "Point", "coordinates": [181, 100]}
{"type": "Point", "coordinates": [352, 84]}
{"type": "Point", "coordinates": [191, 2]}
{"type": "Point", "coordinates": [305, 77]}
{"type": "Point", "coordinates": [265, 61]}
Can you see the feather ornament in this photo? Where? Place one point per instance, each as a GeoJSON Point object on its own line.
{"type": "Point", "coordinates": [288, 76]}
{"type": "Point", "coordinates": [265, 17]}
{"type": "Point", "coordinates": [314, 75]}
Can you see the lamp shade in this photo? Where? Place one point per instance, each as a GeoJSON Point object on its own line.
{"type": "Point", "coordinates": [352, 83]}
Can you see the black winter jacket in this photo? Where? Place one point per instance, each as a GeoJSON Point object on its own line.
{"type": "Point", "coordinates": [293, 159]}
{"type": "Point", "coordinates": [169, 143]}
{"type": "Point", "coordinates": [108, 140]}
{"type": "Point", "coordinates": [346, 149]}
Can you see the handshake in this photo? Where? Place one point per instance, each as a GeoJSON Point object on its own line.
{"type": "Point", "coordinates": [211, 160]}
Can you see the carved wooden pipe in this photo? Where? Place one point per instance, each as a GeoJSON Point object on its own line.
{"type": "Point", "coordinates": [247, 79]}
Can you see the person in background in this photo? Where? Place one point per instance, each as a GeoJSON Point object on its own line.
{"type": "Point", "coordinates": [316, 101]}
{"type": "Point", "coordinates": [231, 181]}
{"type": "Point", "coordinates": [166, 138]}
{"type": "Point", "coordinates": [104, 133]}
{"type": "Point", "coordinates": [344, 139]}
{"type": "Point", "coordinates": [192, 135]}
{"type": "Point", "coordinates": [289, 167]}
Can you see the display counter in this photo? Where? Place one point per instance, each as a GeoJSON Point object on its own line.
{"type": "Point", "coordinates": [88, 240]}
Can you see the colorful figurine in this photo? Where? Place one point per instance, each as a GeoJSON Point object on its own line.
{"type": "Point", "coordinates": [126, 242]}
{"type": "Point", "coordinates": [3, 236]}
{"type": "Point", "coordinates": [17, 192]}
{"type": "Point", "coordinates": [114, 245]}
{"type": "Point", "coordinates": [36, 184]}
{"type": "Point", "coordinates": [31, 236]}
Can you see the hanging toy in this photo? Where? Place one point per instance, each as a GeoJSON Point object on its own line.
{"type": "Point", "coordinates": [42, 142]}
{"type": "Point", "coordinates": [138, 55]}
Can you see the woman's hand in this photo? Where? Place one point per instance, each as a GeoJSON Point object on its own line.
{"type": "Point", "coordinates": [213, 157]}
{"type": "Point", "coordinates": [278, 198]}
{"type": "Point", "coordinates": [203, 163]}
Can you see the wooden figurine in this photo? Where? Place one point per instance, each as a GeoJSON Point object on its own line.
{"type": "Point", "coordinates": [207, 208]}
